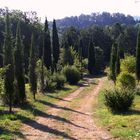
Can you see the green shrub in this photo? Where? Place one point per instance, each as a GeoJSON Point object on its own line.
{"type": "Point", "coordinates": [59, 79]}
{"type": "Point", "coordinates": [119, 101]}
{"type": "Point", "coordinates": [128, 64]}
{"type": "Point", "coordinates": [137, 91]}
{"type": "Point", "coordinates": [126, 80]}
{"type": "Point", "coordinates": [50, 85]}
{"type": "Point", "coordinates": [72, 74]}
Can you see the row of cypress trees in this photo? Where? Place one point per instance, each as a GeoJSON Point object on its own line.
{"type": "Point", "coordinates": [14, 83]}
{"type": "Point", "coordinates": [51, 54]}
{"type": "Point", "coordinates": [13, 58]}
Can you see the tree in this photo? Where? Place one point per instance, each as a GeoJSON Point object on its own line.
{"type": "Point", "coordinates": [18, 67]}
{"type": "Point", "coordinates": [8, 61]}
{"type": "Point", "coordinates": [117, 64]}
{"type": "Point", "coordinates": [99, 57]}
{"type": "Point", "coordinates": [70, 38]}
{"type": "Point", "coordinates": [32, 67]}
{"type": "Point", "coordinates": [91, 58]}
{"type": "Point", "coordinates": [138, 56]}
{"type": "Point", "coordinates": [128, 64]}
{"type": "Point", "coordinates": [55, 45]}
{"type": "Point", "coordinates": [113, 62]}
{"type": "Point", "coordinates": [47, 47]}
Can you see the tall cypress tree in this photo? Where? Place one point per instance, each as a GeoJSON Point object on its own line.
{"type": "Point", "coordinates": [91, 58]}
{"type": "Point", "coordinates": [32, 66]}
{"type": "Point", "coordinates": [117, 64]}
{"type": "Point", "coordinates": [47, 46]}
{"type": "Point", "coordinates": [8, 61]}
{"type": "Point", "coordinates": [55, 45]}
{"type": "Point", "coordinates": [42, 67]}
{"type": "Point", "coordinates": [113, 62]}
{"type": "Point", "coordinates": [80, 56]}
{"type": "Point", "coordinates": [138, 56]}
{"type": "Point", "coordinates": [18, 67]}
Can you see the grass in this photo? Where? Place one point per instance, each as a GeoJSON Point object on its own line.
{"type": "Point", "coordinates": [123, 126]}
{"type": "Point", "coordinates": [11, 123]}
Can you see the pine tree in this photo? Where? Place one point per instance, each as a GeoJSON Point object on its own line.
{"type": "Point", "coordinates": [113, 61]}
{"type": "Point", "coordinates": [8, 61]}
{"type": "Point", "coordinates": [55, 45]}
{"type": "Point", "coordinates": [91, 58]}
{"type": "Point", "coordinates": [47, 47]}
{"type": "Point", "coordinates": [18, 67]}
{"type": "Point", "coordinates": [117, 64]}
{"type": "Point", "coordinates": [32, 67]}
{"type": "Point", "coordinates": [138, 56]}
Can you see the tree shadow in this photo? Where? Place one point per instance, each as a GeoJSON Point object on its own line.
{"type": "Point", "coordinates": [58, 98]}
{"type": "Point", "coordinates": [43, 128]}
{"type": "Point", "coordinates": [56, 90]}
{"type": "Point", "coordinates": [37, 112]}
{"type": "Point", "coordinates": [59, 107]}
{"type": "Point", "coordinates": [128, 113]}
{"type": "Point", "coordinates": [7, 133]}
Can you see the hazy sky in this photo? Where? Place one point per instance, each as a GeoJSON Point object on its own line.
{"type": "Point", "coordinates": [61, 8]}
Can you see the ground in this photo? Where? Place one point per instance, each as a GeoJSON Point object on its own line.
{"type": "Point", "coordinates": [70, 118]}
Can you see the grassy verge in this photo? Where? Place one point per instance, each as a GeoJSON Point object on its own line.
{"type": "Point", "coordinates": [124, 126]}
{"type": "Point", "coordinates": [10, 124]}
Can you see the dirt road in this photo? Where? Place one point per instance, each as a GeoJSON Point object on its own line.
{"type": "Point", "coordinates": [71, 118]}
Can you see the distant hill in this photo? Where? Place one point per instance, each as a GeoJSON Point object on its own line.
{"type": "Point", "coordinates": [137, 17]}
{"type": "Point", "coordinates": [102, 19]}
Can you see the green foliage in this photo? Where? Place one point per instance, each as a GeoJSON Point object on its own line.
{"type": "Point", "coordinates": [68, 56]}
{"type": "Point", "coordinates": [126, 80]}
{"type": "Point", "coordinates": [2, 90]}
{"type": "Point", "coordinates": [41, 71]}
{"type": "Point", "coordinates": [32, 68]}
{"type": "Point", "coordinates": [59, 79]}
{"type": "Point", "coordinates": [47, 47]}
{"type": "Point", "coordinates": [113, 62]}
{"type": "Point", "coordinates": [50, 84]}
{"type": "Point", "coordinates": [20, 95]}
{"type": "Point", "coordinates": [70, 38]}
{"type": "Point", "coordinates": [119, 100]}
{"type": "Point", "coordinates": [128, 64]}
{"type": "Point", "coordinates": [138, 56]}
{"type": "Point", "coordinates": [72, 74]}
{"type": "Point", "coordinates": [117, 64]}
{"type": "Point", "coordinates": [99, 56]}
{"type": "Point", "coordinates": [8, 60]}
{"type": "Point", "coordinates": [91, 59]}
{"type": "Point", "coordinates": [55, 45]}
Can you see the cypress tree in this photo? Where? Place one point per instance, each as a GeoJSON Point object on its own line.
{"type": "Point", "coordinates": [32, 67]}
{"type": "Point", "coordinates": [42, 67]}
{"type": "Point", "coordinates": [113, 62]}
{"type": "Point", "coordinates": [138, 56]}
{"type": "Point", "coordinates": [8, 61]}
{"type": "Point", "coordinates": [47, 47]}
{"type": "Point", "coordinates": [55, 45]}
{"type": "Point", "coordinates": [18, 67]}
{"type": "Point", "coordinates": [91, 58]}
{"type": "Point", "coordinates": [117, 64]}
{"type": "Point", "coordinates": [80, 56]}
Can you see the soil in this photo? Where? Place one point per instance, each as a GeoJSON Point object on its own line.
{"type": "Point", "coordinates": [70, 118]}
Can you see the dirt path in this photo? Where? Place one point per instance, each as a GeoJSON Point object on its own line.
{"type": "Point", "coordinates": [71, 118]}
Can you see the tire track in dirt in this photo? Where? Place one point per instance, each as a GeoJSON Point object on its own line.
{"type": "Point", "coordinates": [78, 125]}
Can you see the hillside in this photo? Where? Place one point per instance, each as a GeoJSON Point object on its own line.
{"type": "Point", "coordinates": [101, 19]}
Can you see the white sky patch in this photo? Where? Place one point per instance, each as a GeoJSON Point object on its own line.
{"type": "Point", "coordinates": [61, 8]}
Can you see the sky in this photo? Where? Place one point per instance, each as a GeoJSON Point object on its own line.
{"type": "Point", "coordinates": [56, 9]}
